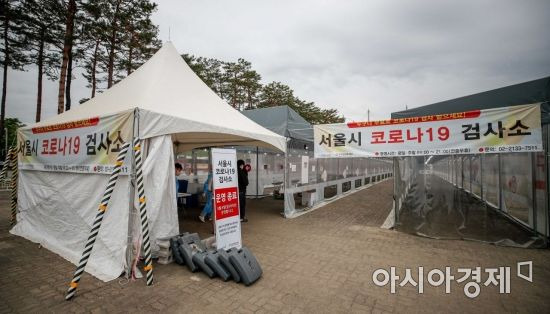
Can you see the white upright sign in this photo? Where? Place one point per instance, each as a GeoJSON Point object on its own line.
{"type": "Point", "coordinates": [226, 198]}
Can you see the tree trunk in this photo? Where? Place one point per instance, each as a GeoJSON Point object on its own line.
{"type": "Point", "coordinates": [235, 104]}
{"type": "Point", "coordinates": [66, 48]}
{"type": "Point", "coordinates": [5, 76]}
{"type": "Point", "coordinates": [94, 65]}
{"type": "Point", "coordinates": [111, 60]}
{"type": "Point", "coordinates": [130, 52]}
{"type": "Point", "coordinates": [112, 40]}
{"type": "Point", "coordinates": [40, 71]}
{"type": "Point", "coordinates": [69, 79]}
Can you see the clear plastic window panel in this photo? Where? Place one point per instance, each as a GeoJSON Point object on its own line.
{"type": "Point", "coordinates": [466, 173]}
{"type": "Point", "coordinates": [430, 200]}
{"type": "Point", "coordinates": [490, 179]}
{"type": "Point", "coordinates": [517, 186]}
{"type": "Point", "coordinates": [475, 168]}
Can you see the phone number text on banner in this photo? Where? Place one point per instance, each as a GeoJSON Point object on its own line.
{"type": "Point", "coordinates": [85, 146]}
{"type": "Point", "coordinates": [497, 130]}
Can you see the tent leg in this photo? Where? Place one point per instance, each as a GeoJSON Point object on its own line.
{"type": "Point", "coordinates": [131, 216]}
{"type": "Point", "coordinates": [285, 178]}
{"type": "Point", "coordinates": [257, 172]}
{"type": "Point", "coordinates": [131, 197]}
{"type": "Point", "coordinates": [97, 223]}
{"type": "Point", "coordinates": [11, 161]}
{"type": "Point", "coordinates": [143, 213]}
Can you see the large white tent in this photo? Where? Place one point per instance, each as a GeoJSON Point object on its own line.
{"type": "Point", "coordinates": [169, 108]}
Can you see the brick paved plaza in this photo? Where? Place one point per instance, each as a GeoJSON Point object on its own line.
{"type": "Point", "coordinates": [321, 262]}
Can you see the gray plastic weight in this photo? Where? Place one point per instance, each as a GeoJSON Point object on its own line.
{"type": "Point", "coordinates": [212, 259]}
{"type": "Point", "coordinates": [223, 258]}
{"type": "Point", "coordinates": [198, 259]}
{"type": "Point", "coordinates": [189, 245]}
{"type": "Point", "coordinates": [246, 265]}
{"type": "Point", "coordinates": [174, 245]}
{"type": "Point", "coordinates": [176, 250]}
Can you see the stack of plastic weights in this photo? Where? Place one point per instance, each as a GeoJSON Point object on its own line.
{"type": "Point", "coordinates": [165, 251]}
{"type": "Point", "coordinates": [240, 265]}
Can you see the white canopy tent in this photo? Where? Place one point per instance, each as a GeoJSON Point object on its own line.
{"type": "Point", "coordinates": [168, 107]}
{"type": "Point", "coordinates": [172, 99]}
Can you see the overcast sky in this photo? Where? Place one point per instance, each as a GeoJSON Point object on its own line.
{"type": "Point", "coordinates": [351, 55]}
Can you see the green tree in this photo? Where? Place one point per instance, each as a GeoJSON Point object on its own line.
{"type": "Point", "coordinates": [92, 43]}
{"type": "Point", "coordinates": [209, 70]}
{"type": "Point", "coordinates": [252, 87]}
{"type": "Point", "coordinates": [118, 37]}
{"type": "Point", "coordinates": [11, 125]}
{"type": "Point", "coordinates": [329, 116]}
{"type": "Point", "coordinates": [113, 13]}
{"type": "Point", "coordinates": [140, 37]}
{"type": "Point", "coordinates": [214, 75]}
{"type": "Point", "coordinates": [43, 31]}
{"type": "Point", "coordinates": [276, 94]}
{"type": "Point", "coordinates": [241, 87]}
{"type": "Point", "coordinates": [67, 48]}
{"type": "Point", "coordinates": [195, 64]}
{"type": "Point", "coordinates": [12, 49]}
{"type": "Point", "coordinates": [234, 84]}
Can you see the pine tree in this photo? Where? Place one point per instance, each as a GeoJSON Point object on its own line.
{"type": "Point", "coordinates": [276, 94]}
{"type": "Point", "coordinates": [93, 38]}
{"type": "Point", "coordinates": [67, 48]}
{"type": "Point", "coordinates": [140, 37]}
{"type": "Point", "coordinates": [241, 87]}
{"type": "Point", "coordinates": [11, 125]}
{"type": "Point", "coordinates": [43, 30]}
{"type": "Point", "coordinates": [234, 88]}
{"type": "Point", "coordinates": [251, 84]}
{"type": "Point", "coordinates": [12, 49]}
{"type": "Point", "coordinates": [113, 28]}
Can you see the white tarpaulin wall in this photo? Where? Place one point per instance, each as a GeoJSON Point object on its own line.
{"type": "Point", "coordinates": [160, 191]}
{"type": "Point", "coordinates": [57, 210]}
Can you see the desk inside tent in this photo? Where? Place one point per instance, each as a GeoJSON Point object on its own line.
{"type": "Point", "coordinates": [188, 194]}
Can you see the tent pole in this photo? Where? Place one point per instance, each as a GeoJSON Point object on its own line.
{"type": "Point", "coordinates": [131, 196]}
{"type": "Point", "coordinates": [534, 190]}
{"type": "Point", "coordinates": [396, 197]}
{"type": "Point", "coordinates": [546, 147]}
{"type": "Point", "coordinates": [11, 161]}
{"type": "Point", "coordinates": [257, 171]}
{"type": "Point", "coordinates": [285, 178]}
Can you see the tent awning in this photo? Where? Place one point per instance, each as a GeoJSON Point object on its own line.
{"type": "Point", "coordinates": [282, 120]}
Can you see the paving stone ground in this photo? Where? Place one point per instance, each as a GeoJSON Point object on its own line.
{"type": "Point", "coordinates": [321, 262]}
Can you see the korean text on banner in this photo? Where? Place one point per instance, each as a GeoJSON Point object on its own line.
{"type": "Point", "coordinates": [226, 199]}
{"type": "Point", "coordinates": [85, 146]}
{"type": "Point", "coordinates": [497, 130]}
